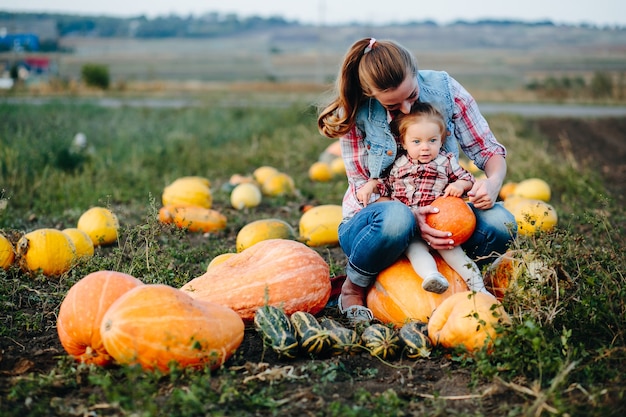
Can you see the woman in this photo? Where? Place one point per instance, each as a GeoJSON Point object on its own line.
{"type": "Point", "coordinates": [377, 81]}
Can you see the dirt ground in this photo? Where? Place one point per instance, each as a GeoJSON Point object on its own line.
{"type": "Point", "coordinates": [594, 142]}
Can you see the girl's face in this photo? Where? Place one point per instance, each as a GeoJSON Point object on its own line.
{"type": "Point", "coordinates": [422, 141]}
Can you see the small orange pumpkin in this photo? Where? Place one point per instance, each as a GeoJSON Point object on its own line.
{"type": "Point", "coordinates": [81, 312]}
{"type": "Point", "coordinates": [454, 216]}
{"type": "Point", "coordinates": [7, 252]}
{"type": "Point", "coordinates": [279, 272]}
{"type": "Point", "coordinates": [48, 250]}
{"type": "Point", "coordinates": [397, 295]}
{"type": "Point", "coordinates": [156, 325]}
{"type": "Point", "coordinates": [467, 319]}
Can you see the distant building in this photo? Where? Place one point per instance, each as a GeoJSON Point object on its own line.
{"type": "Point", "coordinates": [19, 42]}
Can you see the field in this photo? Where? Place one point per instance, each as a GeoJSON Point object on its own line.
{"type": "Point", "coordinates": [564, 355]}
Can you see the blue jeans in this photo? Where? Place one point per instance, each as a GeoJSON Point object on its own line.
{"type": "Point", "coordinates": [375, 237]}
{"type": "Point", "coordinates": [495, 230]}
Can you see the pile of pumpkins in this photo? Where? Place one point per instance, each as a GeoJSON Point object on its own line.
{"type": "Point", "coordinates": [53, 252]}
{"type": "Point", "coordinates": [528, 200]}
{"type": "Point", "coordinates": [329, 165]}
{"type": "Point", "coordinates": [187, 203]}
{"type": "Point", "coordinates": [110, 317]}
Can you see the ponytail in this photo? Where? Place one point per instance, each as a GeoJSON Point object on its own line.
{"type": "Point", "coordinates": [370, 66]}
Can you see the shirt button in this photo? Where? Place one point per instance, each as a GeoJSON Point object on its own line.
{"type": "Point", "coordinates": [389, 152]}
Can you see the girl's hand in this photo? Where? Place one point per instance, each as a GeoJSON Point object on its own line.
{"type": "Point", "coordinates": [434, 238]}
{"type": "Point", "coordinates": [364, 194]}
{"type": "Point", "coordinates": [453, 190]}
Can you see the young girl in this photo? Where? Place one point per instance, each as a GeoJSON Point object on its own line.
{"type": "Point", "coordinates": [377, 81]}
{"type": "Point", "coordinates": [420, 175]}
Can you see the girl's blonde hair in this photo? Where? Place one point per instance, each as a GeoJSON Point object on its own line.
{"type": "Point", "coordinates": [366, 69]}
{"type": "Point", "coordinates": [419, 112]}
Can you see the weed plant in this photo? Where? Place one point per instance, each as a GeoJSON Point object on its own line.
{"type": "Point", "coordinates": [564, 354]}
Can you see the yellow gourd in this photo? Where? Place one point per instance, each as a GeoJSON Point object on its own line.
{"type": "Point", "coordinates": [245, 195]}
{"type": "Point", "coordinates": [533, 188]}
{"type": "Point", "coordinates": [219, 259]}
{"type": "Point", "coordinates": [191, 191]}
{"type": "Point", "coordinates": [101, 224]}
{"type": "Point", "coordinates": [261, 174]}
{"type": "Point", "coordinates": [278, 184]}
{"type": "Point", "coordinates": [531, 215]}
{"type": "Point", "coordinates": [263, 229]}
{"type": "Point", "coordinates": [318, 225]}
{"type": "Point", "coordinates": [7, 252]}
{"type": "Point", "coordinates": [82, 242]}
{"type": "Point", "coordinates": [320, 171]}
{"type": "Point", "coordinates": [48, 250]}
{"type": "Point", "coordinates": [338, 167]}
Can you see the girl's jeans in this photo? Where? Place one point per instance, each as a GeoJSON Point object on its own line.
{"type": "Point", "coordinates": [379, 234]}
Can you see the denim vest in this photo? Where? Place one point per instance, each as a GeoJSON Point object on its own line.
{"type": "Point", "coordinates": [371, 118]}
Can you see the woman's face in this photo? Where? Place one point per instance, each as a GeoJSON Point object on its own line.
{"type": "Point", "coordinates": [400, 99]}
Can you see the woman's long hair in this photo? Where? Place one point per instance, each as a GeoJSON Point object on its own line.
{"type": "Point", "coordinates": [366, 70]}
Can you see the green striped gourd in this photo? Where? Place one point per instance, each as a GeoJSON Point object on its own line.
{"type": "Point", "coordinates": [313, 339]}
{"type": "Point", "coordinates": [276, 329]}
{"type": "Point", "coordinates": [415, 339]}
{"type": "Point", "coordinates": [381, 341]}
{"type": "Point", "coordinates": [343, 340]}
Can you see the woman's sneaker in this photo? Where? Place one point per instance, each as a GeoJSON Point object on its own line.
{"type": "Point", "coordinates": [356, 314]}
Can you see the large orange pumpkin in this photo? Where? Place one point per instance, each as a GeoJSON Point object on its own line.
{"type": "Point", "coordinates": [81, 312]}
{"type": "Point", "coordinates": [156, 325]}
{"type": "Point", "coordinates": [280, 272]}
{"type": "Point", "coordinates": [454, 216]}
{"type": "Point", "coordinates": [397, 295]}
{"type": "Point", "coordinates": [467, 319]}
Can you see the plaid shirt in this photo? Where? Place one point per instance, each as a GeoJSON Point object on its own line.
{"type": "Point", "coordinates": [417, 185]}
{"type": "Point", "coordinates": [471, 131]}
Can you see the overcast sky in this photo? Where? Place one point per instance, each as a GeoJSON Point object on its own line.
{"type": "Point", "coordinates": [596, 12]}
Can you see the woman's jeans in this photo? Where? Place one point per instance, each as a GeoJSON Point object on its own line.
{"type": "Point", "coordinates": [375, 237]}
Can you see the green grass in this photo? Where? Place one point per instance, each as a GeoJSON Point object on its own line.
{"type": "Point", "coordinates": [565, 353]}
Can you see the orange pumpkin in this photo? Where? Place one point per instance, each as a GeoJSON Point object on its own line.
{"type": "Point", "coordinates": [397, 295]}
{"type": "Point", "coordinates": [467, 319]}
{"type": "Point", "coordinates": [454, 216]}
{"type": "Point", "coordinates": [156, 325]}
{"type": "Point", "coordinates": [279, 272]}
{"type": "Point", "coordinates": [47, 250]}
{"type": "Point", "coordinates": [519, 273]}
{"type": "Point", "coordinates": [81, 312]}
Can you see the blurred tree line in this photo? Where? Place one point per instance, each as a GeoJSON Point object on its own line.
{"type": "Point", "coordinates": [601, 85]}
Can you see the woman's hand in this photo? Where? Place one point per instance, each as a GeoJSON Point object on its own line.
{"type": "Point", "coordinates": [484, 193]}
{"type": "Point", "coordinates": [434, 238]}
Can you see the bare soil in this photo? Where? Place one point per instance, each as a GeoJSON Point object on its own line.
{"type": "Point", "coordinates": [597, 143]}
